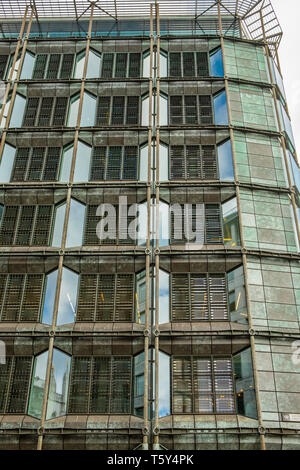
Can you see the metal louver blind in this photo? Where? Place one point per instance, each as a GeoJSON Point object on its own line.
{"type": "Point", "coordinates": [180, 297]}
{"type": "Point", "coordinates": [90, 235]}
{"type": "Point", "coordinates": [30, 112]}
{"type": "Point", "coordinates": [176, 116]}
{"type": "Point", "coordinates": [4, 382]}
{"type": "Point", "coordinates": [199, 297]}
{"type": "Point", "coordinates": [130, 163]}
{"type": "Point", "coordinates": [21, 160]}
{"type": "Point", "coordinates": [87, 297]}
{"type": "Point", "coordinates": [45, 112]}
{"type": "Point", "coordinates": [188, 64]}
{"type": "Point", "coordinates": [3, 279]}
{"type": "Point", "coordinates": [120, 385]}
{"type": "Point", "coordinates": [79, 385]}
{"type": "Point", "coordinates": [13, 297]}
{"type": "Point", "coordinates": [203, 386]}
{"type": "Point", "coordinates": [53, 66]}
{"type": "Point", "coordinates": [8, 225]}
{"type": "Point", "coordinates": [67, 66]}
{"type": "Point", "coordinates": [60, 111]}
{"type": "Point", "coordinates": [218, 297]}
{"type": "Point", "coordinates": [19, 384]}
{"type": "Point", "coordinates": [103, 110]}
{"type": "Point", "coordinates": [25, 225]}
{"type": "Point", "coordinates": [134, 65]}
{"type": "Point", "coordinates": [209, 162]}
{"type": "Point", "coordinates": [32, 296]}
{"type": "Point", "coordinates": [42, 225]}
{"type": "Point", "coordinates": [202, 64]}
{"type": "Point", "coordinates": [224, 393]}
{"type": "Point", "coordinates": [182, 385]}
{"type": "Point", "coordinates": [175, 64]}
{"type": "Point", "coordinates": [121, 65]}
{"type": "Point", "coordinates": [40, 66]}
{"type": "Point", "coordinates": [98, 163]}
{"type": "Point", "coordinates": [107, 65]}
{"type": "Point", "coordinates": [118, 107]}
{"type": "Point", "coordinates": [132, 115]}
{"type": "Point", "coordinates": [101, 385]}
{"type": "Point", "coordinates": [193, 162]}
{"type": "Point", "coordinates": [106, 297]}
{"type": "Point", "coordinates": [205, 110]}
{"type": "Point", "coordinates": [177, 164]}
{"type": "Point", "coordinates": [36, 164]}
{"type": "Point", "coordinates": [190, 108]}
{"type": "Point", "coordinates": [50, 172]}
{"type": "Point", "coordinates": [213, 227]}
{"type": "Point", "coordinates": [3, 62]}
{"type": "Point", "coordinates": [124, 297]}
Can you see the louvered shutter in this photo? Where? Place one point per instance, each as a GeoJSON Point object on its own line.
{"type": "Point", "coordinates": [175, 64]}
{"type": "Point", "coordinates": [4, 382]}
{"type": "Point", "coordinates": [124, 222]}
{"type": "Point", "coordinates": [177, 166]}
{"type": "Point", "coordinates": [121, 385]}
{"type": "Point", "coordinates": [60, 111]}
{"type": "Point", "coordinates": [90, 235]}
{"type": "Point", "coordinates": [53, 66]}
{"type": "Point", "coordinates": [118, 109]}
{"type": "Point", "coordinates": [177, 230]}
{"type": "Point", "coordinates": [176, 116]}
{"type": "Point", "coordinates": [130, 163]}
{"type": "Point", "coordinates": [132, 115]}
{"type": "Point", "coordinates": [218, 297]}
{"type": "Point", "coordinates": [25, 225]}
{"type": "Point", "coordinates": [32, 297]}
{"type": "Point", "coordinates": [223, 382]}
{"type": "Point", "coordinates": [203, 386]}
{"type": "Point", "coordinates": [8, 225]}
{"type": "Point", "coordinates": [205, 110]}
{"type": "Point", "coordinates": [52, 163]}
{"type": "Point", "coordinates": [124, 297]}
{"type": "Point", "coordinates": [193, 162]}
{"type": "Point", "coordinates": [202, 64]}
{"type": "Point", "coordinates": [121, 65]}
{"type": "Point", "coordinates": [199, 297]}
{"type": "Point", "coordinates": [17, 397]}
{"type": "Point", "coordinates": [101, 385]}
{"type": "Point", "coordinates": [182, 385]}
{"type": "Point", "coordinates": [107, 65]}
{"type": "Point", "coordinates": [19, 171]}
{"type": "Point", "coordinates": [114, 160]}
{"type": "Point", "coordinates": [180, 297]}
{"type": "Point", "coordinates": [103, 109]}
{"type": "Point", "coordinates": [42, 225]}
{"type": "Point", "coordinates": [3, 279]}
{"type": "Point", "coordinates": [36, 164]}
{"type": "Point", "coordinates": [86, 302]}
{"type": "Point", "coordinates": [30, 112]}
{"type": "Point", "coordinates": [13, 297]}
{"type": "Point", "coordinates": [98, 163]}
{"type": "Point", "coordinates": [209, 162]}
{"type": "Point", "coordinates": [40, 66]}
{"type": "Point", "coordinates": [188, 64]}
{"type": "Point", "coordinates": [213, 227]}
{"type": "Point", "coordinates": [190, 107]}
{"type": "Point", "coordinates": [105, 297]}
{"type": "Point", "coordinates": [67, 66]}
{"type": "Point", "coordinates": [3, 62]}
{"type": "Point", "coordinates": [79, 385]}
{"type": "Point", "coordinates": [134, 65]}
{"type": "Point", "coordinates": [45, 112]}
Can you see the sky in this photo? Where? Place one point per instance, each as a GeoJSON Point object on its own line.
{"type": "Point", "coordinates": [288, 13]}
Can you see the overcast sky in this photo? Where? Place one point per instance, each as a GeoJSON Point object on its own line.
{"type": "Point", "coordinates": [288, 13]}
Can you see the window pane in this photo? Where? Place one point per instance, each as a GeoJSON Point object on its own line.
{"type": "Point", "coordinates": [73, 111]}
{"type": "Point", "coordinates": [59, 383]}
{"type": "Point", "coordinates": [216, 63]}
{"type": "Point", "coordinates": [163, 65]}
{"type": "Point", "coordinates": [38, 385]}
{"type": "Point", "coordinates": [146, 66]}
{"type": "Point", "coordinates": [7, 163]}
{"type": "Point", "coordinates": [163, 163]}
{"type": "Point", "coordinates": [49, 298]}
{"type": "Point", "coordinates": [58, 225]}
{"type": "Point", "coordinates": [144, 164]}
{"type": "Point", "coordinates": [163, 111]}
{"type": "Point", "coordinates": [76, 223]}
{"type": "Point", "coordinates": [231, 228]}
{"type": "Point", "coordinates": [79, 65]}
{"type": "Point", "coordinates": [237, 296]}
{"type": "Point", "coordinates": [164, 296]}
{"type": "Point", "coordinates": [244, 384]}
{"type": "Point", "coordinates": [88, 110]}
{"type": "Point", "coordinates": [93, 69]}
{"type": "Point", "coordinates": [140, 297]}
{"type": "Point", "coordinates": [67, 298]}
{"type": "Point", "coordinates": [28, 66]}
{"type": "Point", "coordinates": [164, 392]}
{"type": "Point", "coordinates": [138, 404]}
{"type": "Point", "coordinates": [145, 111]}
{"type": "Point", "coordinates": [66, 164]}
{"type": "Point", "coordinates": [83, 161]}
{"type": "Point", "coordinates": [18, 111]}
{"type": "Point", "coordinates": [226, 172]}
{"type": "Point", "coordinates": [220, 109]}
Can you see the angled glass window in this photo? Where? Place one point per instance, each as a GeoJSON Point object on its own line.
{"type": "Point", "coordinates": [164, 385]}
{"type": "Point", "coordinates": [83, 162]}
{"type": "Point", "coordinates": [286, 123]}
{"type": "Point", "coordinates": [231, 227]}
{"type": "Point", "coordinates": [7, 163]}
{"type": "Point", "coordinates": [216, 63]}
{"type": "Point", "coordinates": [73, 111]}
{"type": "Point", "coordinates": [164, 296]}
{"type": "Point", "coordinates": [79, 65]}
{"type": "Point", "coordinates": [88, 110]}
{"type": "Point", "coordinates": [164, 223]}
{"type": "Point", "coordinates": [37, 390]}
{"type": "Point", "coordinates": [244, 384]}
{"type": "Point", "coordinates": [146, 65]}
{"type": "Point", "coordinates": [59, 385]}
{"type": "Point", "coordinates": [17, 112]}
{"type": "Point", "coordinates": [16, 68]}
{"type": "Point", "coordinates": [237, 296]}
{"type": "Point", "coordinates": [163, 64]}
{"type": "Point", "coordinates": [277, 78]}
{"type": "Point", "coordinates": [220, 109]}
{"type": "Point", "coordinates": [145, 110]}
{"type": "Point", "coordinates": [163, 110]}
{"type": "Point", "coordinates": [28, 66]}
{"type": "Point", "coordinates": [293, 217]}
{"type": "Point", "coordinates": [68, 297]}
{"type": "Point", "coordinates": [66, 163]}
{"type": "Point", "coordinates": [225, 163]}
{"type": "Point", "coordinates": [140, 297]}
{"type": "Point", "coordinates": [294, 171]}
{"type": "Point", "coordinates": [163, 163]}
{"type": "Point", "coordinates": [58, 225]}
{"type": "Point", "coordinates": [143, 166]}
{"type": "Point", "coordinates": [49, 298]}
{"type": "Point", "coordinates": [75, 224]}
{"type": "Point", "coordinates": [93, 68]}
{"type": "Point", "coordinates": [5, 112]}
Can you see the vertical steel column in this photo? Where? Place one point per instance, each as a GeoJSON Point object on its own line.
{"type": "Point", "coordinates": [157, 251]}
{"type": "Point", "coordinates": [64, 237]}
{"type": "Point", "coordinates": [148, 251]}
{"type": "Point", "coordinates": [252, 341]}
